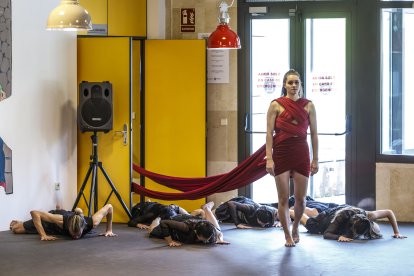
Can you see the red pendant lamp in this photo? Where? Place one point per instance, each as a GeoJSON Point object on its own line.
{"type": "Point", "coordinates": [223, 37]}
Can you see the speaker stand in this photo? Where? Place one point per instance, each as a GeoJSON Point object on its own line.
{"type": "Point", "coordinates": [94, 165]}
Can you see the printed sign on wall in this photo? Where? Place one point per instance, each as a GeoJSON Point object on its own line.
{"type": "Point", "coordinates": [187, 20]}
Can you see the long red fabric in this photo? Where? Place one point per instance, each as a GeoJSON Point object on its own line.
{"type": "Point", "coordinates": [250, 170]}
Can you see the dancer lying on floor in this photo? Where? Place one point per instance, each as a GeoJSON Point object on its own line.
{"type": "Point", "coordinates": [188, 229]}
{"type": "Point", "coordinates": [345, 223]}
{"type": "Point", "coordinates": [245, 213]}
{"type": "Point", "coordinates": [144, 213]}
{"type": "Point", "coordinates": [62, 222]}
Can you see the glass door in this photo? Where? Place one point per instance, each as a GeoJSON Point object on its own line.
{"type": "Point", "coordinates": [313, 42]}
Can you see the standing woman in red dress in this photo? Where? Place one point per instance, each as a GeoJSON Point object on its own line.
{"type": "Point", "coordinates": [287, 150]}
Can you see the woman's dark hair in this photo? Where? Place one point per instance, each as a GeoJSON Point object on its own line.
{"type": "Point", "coordinates": [265, 215]}
{"type": "Point", "coordinates": [363, 227]}
{"type": "Point", "coordinates": [288, 73]}
{"type": "Point", "coordinates": [360, 224]}
{"type": "Point", "coordinates": [207, 230]}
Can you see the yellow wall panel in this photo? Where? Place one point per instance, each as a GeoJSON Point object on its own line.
{"type": "Point", "coordinates": [175, 111]}
{"type": "Point", "coordinates": [127, 18]}
{"type": "Point", "coordinates": [107, 59]}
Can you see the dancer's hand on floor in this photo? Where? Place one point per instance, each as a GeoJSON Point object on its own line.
{"type": "Point", "coordinates": [399, 236]}
{"type": "Point", "coordinates": [244, 226]}
{"type": "Point", "coordinates": [108, 234]}
{"type": "Point", "coordinates": [344, 239]}
{"type": "Point", "coordinates": [48, 238]}
{"type": "Point", "coordinates": [142, 226]}
{"type": "Point", "coordinates": [174, 244]}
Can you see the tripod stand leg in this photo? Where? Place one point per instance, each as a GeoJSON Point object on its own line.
{"type": "Point", "coordinates": [115, 190]}
{"type": "Point", "coordinates": [94, 182]}
{"type": "Point", "coordinates": [83, 186]}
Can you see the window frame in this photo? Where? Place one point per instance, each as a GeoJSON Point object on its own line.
{"type": "Point", "coordinates": [380, 157]}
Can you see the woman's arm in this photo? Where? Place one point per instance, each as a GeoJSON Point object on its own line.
{"type": "Point", "coordinates": [333, 228]}
{"type": "Point", "coordinates": [314, 138]}
{"type": "Point", "coordinates": [272, 113]}
{"type": "Point", "coordinates": [233, 207]}
{"type": "Point", "coordinates": [168, 225]}
{"type": "Point", "coordinates": [107, 212]}
{"type": "Point", "coordinates": [39, 216]}
{"type": "Point", "coordinates": [389, 214]}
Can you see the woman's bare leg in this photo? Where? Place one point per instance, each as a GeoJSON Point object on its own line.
{"type": "Point", "coordinates": [300, 190]}
{"type": "Point", "coordinates": [209, 214]}
{"type": "Point", "coordinates": [282, 184]}
{"type": "Point", "coordinates": [154, 224]}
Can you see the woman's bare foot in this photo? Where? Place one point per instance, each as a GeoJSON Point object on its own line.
{"type": "Point", "coordinates": [12, 223]}
{"type": "Point", "coordinates": [289, 242]}
{"type": "Point", "coordinates": [295, 235]}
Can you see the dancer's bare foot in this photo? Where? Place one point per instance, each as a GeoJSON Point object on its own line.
{"type": "Point", "coordinates": [295, 235]}
{"type": "Point", "coordinates": [12, 223]}
{"type": "Point", "coordinates": [208, 205]}
{"type": "Point", "coordinates": [198, 213]}
{"type": "Point", "coordinates": [289, 242]}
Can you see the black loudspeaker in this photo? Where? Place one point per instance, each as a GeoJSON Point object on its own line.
{"type": "Point", "coordinates": [95, 106]}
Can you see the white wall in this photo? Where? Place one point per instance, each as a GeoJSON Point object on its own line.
{"type": "Point", "coordinates": [38, 122]}
{"type": "Point", "coordinates": [156, 19]}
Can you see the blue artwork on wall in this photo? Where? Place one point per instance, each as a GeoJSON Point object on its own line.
{"type": "Point", "coordinates": [6, 177]}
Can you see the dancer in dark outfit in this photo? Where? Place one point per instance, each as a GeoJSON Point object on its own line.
{"type": "Point", "coordinates": [62, 222]}
{"type": "Point", "coordinates": [287, 151]}
{"type": "Point", "coordinates": [345, 223]}
{"type": "Point", "coordinates": [144, 213]}
{"type": "Point", "coordinates": [188, 229]}
{"type": "Point", "coordinates": [245, 213]}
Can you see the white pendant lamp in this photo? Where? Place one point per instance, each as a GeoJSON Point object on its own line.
{"type": "Point", "coordinates": [69, 16]}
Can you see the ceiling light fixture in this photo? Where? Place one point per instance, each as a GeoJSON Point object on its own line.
{"type": "Point", "coordinates": [223, 37]}
{"type": "Point", "coordinates": [69, 16]}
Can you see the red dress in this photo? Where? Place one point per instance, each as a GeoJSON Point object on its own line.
{"type": "Point", "coordinates": [290, 148]}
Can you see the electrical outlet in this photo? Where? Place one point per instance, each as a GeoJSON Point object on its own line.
{"type": "Point", "coordinates": [57, 186]}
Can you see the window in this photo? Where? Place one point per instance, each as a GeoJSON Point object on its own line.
{"type": "Point", "coordinates": [397, 85]}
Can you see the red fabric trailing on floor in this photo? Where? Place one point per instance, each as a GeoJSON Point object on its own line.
{"type": "Point", "coordinates": [250, 170]}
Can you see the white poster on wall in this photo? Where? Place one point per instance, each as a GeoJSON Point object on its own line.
{"type": "Point", "coordinates": [218, 66]}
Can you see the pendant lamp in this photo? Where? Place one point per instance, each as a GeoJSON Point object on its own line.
{"type": "Point", "coordinates": [69, 16]}
{"type": "Point", "coordinates": [223, 37]}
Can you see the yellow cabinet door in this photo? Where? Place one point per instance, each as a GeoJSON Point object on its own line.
{"type": "Point", "coordinates": [175, 111]}
{"type": "Point", "coordinates": [108, 59]}
{"type": "Point", "coordinates": [117, 17]}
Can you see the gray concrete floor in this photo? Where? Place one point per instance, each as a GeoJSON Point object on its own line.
{"type": "Point", "coordinates": [251, 252]}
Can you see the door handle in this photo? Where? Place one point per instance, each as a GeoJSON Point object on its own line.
{"type": "Point", "coordinates": [124, 133]}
